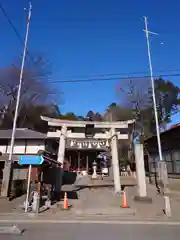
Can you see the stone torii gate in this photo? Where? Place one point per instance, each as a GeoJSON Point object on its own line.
{"type": "Point", "coordinates": [112, 135]}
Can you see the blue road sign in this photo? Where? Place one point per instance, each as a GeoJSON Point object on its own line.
{"type": "Point", "coordinates": [30, 160]}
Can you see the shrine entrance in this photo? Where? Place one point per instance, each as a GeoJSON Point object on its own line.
{"type": "Point", "coordinates": [81, 153]}
{"type": "Point", "coordinates": [79, 139]}
{"type": "Point", "coordinates": [81, 160]}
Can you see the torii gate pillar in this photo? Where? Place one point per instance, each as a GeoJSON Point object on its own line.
{"type": "Point", "coordinates": [141, 175]}
{"type": "Point", "coordinates": [62, 144]}
{"type": "Point", "coordinates": [60, 158]}
{"type": "Point", "coordinates": [115, 161]}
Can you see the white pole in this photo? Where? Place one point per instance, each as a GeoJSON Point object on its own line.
{"type": "Point", "coordinates": [167, 206]}
{"type": "Point", "coordinates": [162, 166]}
{"type": "Point", "coordinates": [153, 90]}
{"type": "Point", "coordinates": [7, 168]}
{"type": "Point", "coordinates": [20, 85]}
{"type": "Point", "coordinates": [28, 188]}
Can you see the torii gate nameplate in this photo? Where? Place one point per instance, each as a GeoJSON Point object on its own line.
{"type": "Point", "coordinates": [87, 144]}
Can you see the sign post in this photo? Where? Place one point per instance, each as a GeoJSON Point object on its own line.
{"type": "Point", "coordinates": [30, 160]}
{"type": "Point", "coordinates": [28, 189]}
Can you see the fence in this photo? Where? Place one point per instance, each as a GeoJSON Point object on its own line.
{"type": "Point", "coordinates": [172, 159]}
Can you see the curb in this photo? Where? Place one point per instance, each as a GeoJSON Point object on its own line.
{"type": "Point", "coordinates": [30, 217]}
{"type": "Point", "coordinates": [88, 221]}
{"type": "Point", "coordinates": [123, 214]}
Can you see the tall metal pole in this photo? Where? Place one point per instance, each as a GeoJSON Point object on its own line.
{"type": "Point", "coordinates": [153, 90]}
{"type": "Point", "coordinates": [7, 168]}
{"type": "Point", "coordinates": [162, 166]}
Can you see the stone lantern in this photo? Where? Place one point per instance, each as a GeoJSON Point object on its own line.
{"type": "Point", "coordinates": [94, 166]}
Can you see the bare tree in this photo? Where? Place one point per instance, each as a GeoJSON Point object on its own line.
{"type": "Point", "coordinates": [36, 90]}
{"type": "Point", "coordinates": [135, 96]}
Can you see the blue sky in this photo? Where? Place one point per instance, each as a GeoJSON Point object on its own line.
{"type": "Point", "coordinates": [84, 37]}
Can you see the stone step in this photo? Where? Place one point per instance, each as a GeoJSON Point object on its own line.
{"type": "Point", "coordinates": [105, 211]}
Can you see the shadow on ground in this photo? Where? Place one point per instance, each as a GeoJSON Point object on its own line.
{"type": "Point", "coordinates": [70, 194]}
{"type": "Point", "coordinates": [69, 178]}
{"type": "Point", "coordinates": [79, 188]}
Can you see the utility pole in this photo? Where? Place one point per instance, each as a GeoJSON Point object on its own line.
{"type": "Point", "coordinates": [8, 163]}
{"type": "Point", "coordinates": [162, 165]}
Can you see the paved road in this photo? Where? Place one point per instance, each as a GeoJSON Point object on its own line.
{"type": "Point", "coordinates": [89, 231]}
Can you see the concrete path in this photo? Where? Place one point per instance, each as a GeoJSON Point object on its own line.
{"type": "Point", "coordinates": [101, 200]}
{"type": "Point", "coordinates": [97, 197]}
{"type": "Point", "coordinates": [7, 206]}
{"type": "Point", "coordinates": [156, 208]}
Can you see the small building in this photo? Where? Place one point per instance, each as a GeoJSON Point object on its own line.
{"type": "Point", "coordinates": [170, 141]}
{"type": "Point", "coordinates": [27, 142]}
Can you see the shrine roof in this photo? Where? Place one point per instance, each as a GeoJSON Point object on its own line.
{"type": "Point", "coordinates": [22, 133]}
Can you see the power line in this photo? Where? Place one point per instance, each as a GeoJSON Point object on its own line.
{"type": "Point", "coordinates": [110, 79]}
{"type": "Point", "coordinates": [93, 75]}
{"type": "Point", "coordinates": [125, 73]}
{"type": "Point", "coordinates": [15, 30]}
{"type": "Point", "coordinates": [11, 24]}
